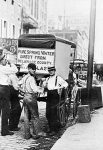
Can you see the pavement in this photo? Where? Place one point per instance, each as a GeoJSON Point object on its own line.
{"type": "Point", "coordinates": [80, 136]}
{"type": "Point", "coordinates": [83, 136]}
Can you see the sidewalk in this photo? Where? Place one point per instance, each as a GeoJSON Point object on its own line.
{"type": "Point", "coordinates": [83, 136]}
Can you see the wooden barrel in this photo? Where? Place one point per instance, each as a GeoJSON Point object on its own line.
{"type": "Point", "coordinates": [84, 114]}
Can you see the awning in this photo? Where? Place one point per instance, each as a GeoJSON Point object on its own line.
{"type": "Point", "coordinates": [29, 22]}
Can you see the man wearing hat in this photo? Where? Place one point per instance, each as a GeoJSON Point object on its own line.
{"type": "Point", "coordinates": [6, 68]}
{"type": "Point", "coordinates": [53, 83]}
{"type": "Point", "coordinates": [31, 89]}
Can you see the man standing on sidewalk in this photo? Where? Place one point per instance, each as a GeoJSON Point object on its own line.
{"type": "Point", "coordinates": [6, 68]}
{"type": "Point", "coordinates": [53, 84]}
{"type": "Point", "coordinates": [30, 89]}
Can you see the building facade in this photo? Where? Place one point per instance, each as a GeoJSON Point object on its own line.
{"type": "Point", "coordinates": [73, 22]}
{"type": "Point", "coordinates": [22, 16]}
{"type": "Point", "coordinates": [42, 16]}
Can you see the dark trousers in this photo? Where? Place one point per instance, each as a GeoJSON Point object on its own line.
{"type": "Point", "coordinates": [4, 107]}
{"type": "Point", "coordinates": [51, 110]}
{"type": "Point", "coordinates": [15, 109]}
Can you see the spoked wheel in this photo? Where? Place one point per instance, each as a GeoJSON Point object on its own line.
{"type": "Point", "coordinates": [67, 110]}
{"type": "Point", "coordinates": [63, 108]}
{"type": "Point", "coordinates": [62, 115]}
{"type": "Point", "coordinates": [75, 109]}
{"type": "Point", "coordinates": [75, 105]}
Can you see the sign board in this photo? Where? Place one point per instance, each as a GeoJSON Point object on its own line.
{"type": "Point", "coordinates": [9, 47]}
{"type": "Point", "coordinates": [41, 57]}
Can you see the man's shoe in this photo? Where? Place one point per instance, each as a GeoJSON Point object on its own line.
{"type": "Point", "coordinates": [8, 133]}
{"type": "Point", "coordinates": [27, 137]}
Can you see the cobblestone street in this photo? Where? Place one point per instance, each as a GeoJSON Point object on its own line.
{"type": "Point", "coordinates": [17, 141]}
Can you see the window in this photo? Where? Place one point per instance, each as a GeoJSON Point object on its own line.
{"type": "Point", "coordinates": [1, 28]}
{"type": "Point", "coordinates": [13, 31]}
{"type": "Point", "coordinates": [5, 24]}
{"type": "Point", "coordinates": [5, 29]}
{"type": "Point", "coordinates": [12, 2]}
{"type": "Point", "coordinates": [71, 55]}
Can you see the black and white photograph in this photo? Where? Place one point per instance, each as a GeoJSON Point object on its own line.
{"type": "Point", "coordinates": [51, 74]}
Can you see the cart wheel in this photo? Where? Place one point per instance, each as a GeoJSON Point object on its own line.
{"type": "Point", "coordinates": [67, 111]}
{"type": "Point", "coordinates": [62, 115]}
{"type": "Point", "coordinates": [64, 108]}
{"type": "Point", "coordinates": [75, 105]}
{"type": "Point", "coordinates": [75, 109]}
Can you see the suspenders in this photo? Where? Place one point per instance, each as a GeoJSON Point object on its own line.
{"type": "Point", "coordinates": [25, 89]}
{"type": "Point", "coordinates": [55, 80]}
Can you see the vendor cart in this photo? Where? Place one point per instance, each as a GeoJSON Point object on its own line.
{"type": "Point", "coordinates": [47, 50]}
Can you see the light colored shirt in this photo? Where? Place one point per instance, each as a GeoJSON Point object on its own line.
{"type": "Point", "coordinates": [14, 81]}
{"type": "Point", "coordinates": [29, 85]}
{"type": "Point", "coordinates": [5, 71]}
{"type": "Point", "coordinates": [52, 84]}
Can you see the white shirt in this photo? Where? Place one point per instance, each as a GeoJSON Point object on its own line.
{"type": "Point", "coordinates": [5, 71]}
{"type": "Point", "coordinates": [29, 84]}
{"type": "Point", "coordinates": [50, 82]}
{"type": "Point", "coordinates": [14, 81]}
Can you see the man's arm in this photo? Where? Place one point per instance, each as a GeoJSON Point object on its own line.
{"type": "Point", "coordinates": [34, 86]}
{"type": "Point", "coordinates": [62, 82]}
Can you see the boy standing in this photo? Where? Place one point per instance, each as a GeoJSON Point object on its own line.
{"type": "Point", "coordinates": [30, 103]}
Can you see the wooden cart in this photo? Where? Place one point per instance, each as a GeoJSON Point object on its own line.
{"type": "Point", "coordinates": [46, 50]}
